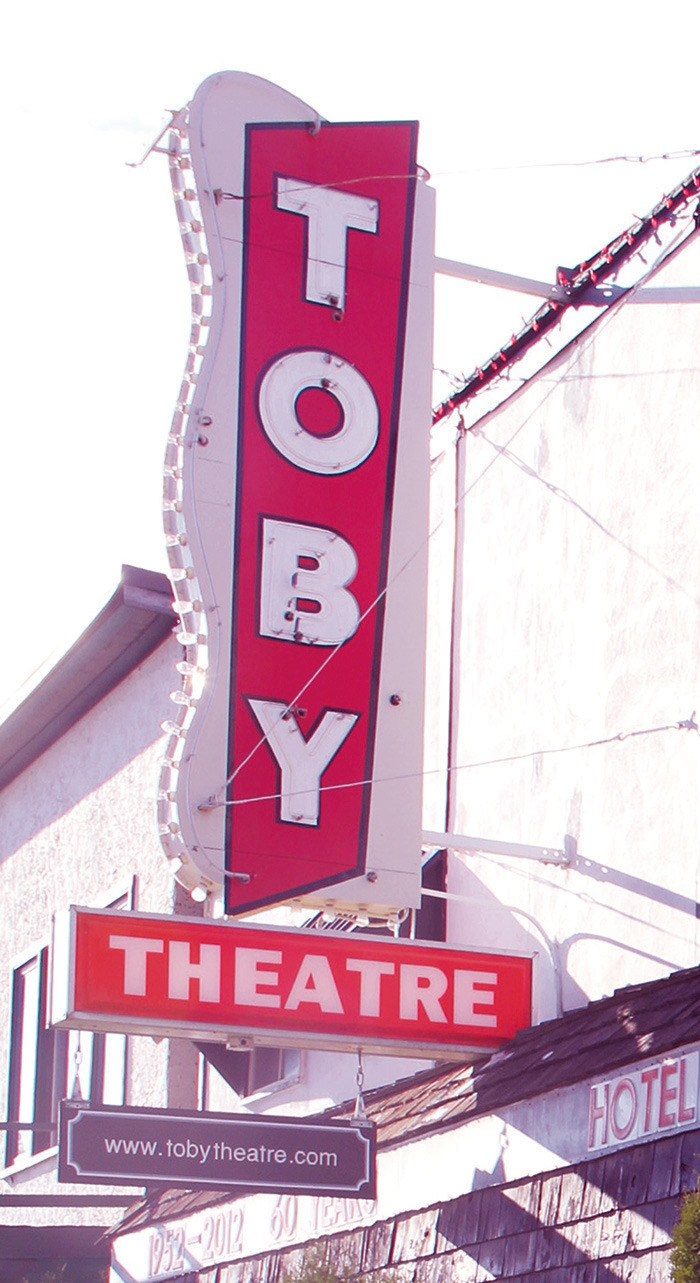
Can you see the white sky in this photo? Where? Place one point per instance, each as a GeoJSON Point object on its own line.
{"type": "Point", "coordinates": [95, 311]}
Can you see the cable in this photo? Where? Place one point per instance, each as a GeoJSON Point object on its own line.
{"type": "Point", "coordinates": [424, 175]}
{"type": "Point", "coordinates": [215, 800]}
{"type": "Point", "coordinates": [590, 330]}
{"type": "Point", "coordinates": [573, 164]}
{"type": "Point", "coordinates": [420, 174]}
{"type": "Point", "coordinates": [580, 377]}
{"type": "Point", "coordinates": [598, 321]}
{"type": "Point", "coordinates": [686, 724]}
{"type": "Point", "coordinates": [567, 498]}
{"type": "Point", "coordinates": [582, 340]}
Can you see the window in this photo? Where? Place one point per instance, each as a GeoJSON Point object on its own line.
{"type": "Point", "coordinates": [97, 1067]}
{"type": "Point", "coordinates": [47, 1065]}
{"type": "Point", "coordinates": [37, 1062]}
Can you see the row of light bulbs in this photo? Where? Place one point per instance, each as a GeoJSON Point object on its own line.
{"type": "Point", "coordinates": [188, 603]}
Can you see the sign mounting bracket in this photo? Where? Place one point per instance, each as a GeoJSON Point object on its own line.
{"type": "Point", "coordinates": [487, 846]}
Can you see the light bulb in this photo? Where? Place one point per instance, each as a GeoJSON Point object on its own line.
{"type": "Point", "coordinates": [181, 697]}
{"type": "Point", "coordinates": [187, 669]}
{"type": "Point", "coordinates": [184, 605]}
{"type": "Point", "coordinates": [172, 728]}
{"type": "Point", "coordinates": [171, 829]}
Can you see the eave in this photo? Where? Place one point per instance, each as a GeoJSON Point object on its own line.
{"type": "Point", "coordinates": [132, 624]}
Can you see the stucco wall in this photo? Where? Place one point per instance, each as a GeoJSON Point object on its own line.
{"type": "Point", "coordinates": [578, 623]}
{"type": "Point", "coordinates": [78, 827]}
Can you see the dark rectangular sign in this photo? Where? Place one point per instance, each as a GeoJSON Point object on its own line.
{"type": "Point", "coordinates": [129, 1146]}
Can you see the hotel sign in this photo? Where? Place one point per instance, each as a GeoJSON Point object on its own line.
{"type": "Point", "coordinates": [304, 504]}
{"type": "Point", "coordinates": [244, 985]}
{"type": "Point", "coordinates": [647, 1101]}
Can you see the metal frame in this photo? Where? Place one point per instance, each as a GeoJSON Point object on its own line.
{"type": "Point", "coordinates": [487, 846]}
{"type": "Point", "coordinates": [601, 297]}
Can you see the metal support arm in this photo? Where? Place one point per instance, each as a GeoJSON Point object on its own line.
{"type": "Point", "coordinates": [486, 846]}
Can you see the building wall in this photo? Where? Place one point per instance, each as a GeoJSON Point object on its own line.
{"type": "Point", "coordinates": [541, 1183]}
{"type": "Point", "coordinates": [78, 827]}
{"type": "Point", "coordinates": [577, 623]}
{"type": "Point", "coordinates": [574, 660]}
{"type": "Point", "coordinates": [595, 1223]}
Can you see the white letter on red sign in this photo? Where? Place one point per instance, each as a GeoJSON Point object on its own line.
{"type": "Point", "coordinates": [371, 973]}
{"type": "Point", "coordinates": [285, 581]}
{"type": "Point", "coordinates": [330, 213]}
{"type": "Point", "coordinates": [422, 986]}
{"type": "Point", "coordinates": [181, 970]}
{"type": "Point", "coordinates": [136, 952]}
{"type": "Point", "coordinates": [301, 761]}
{"type": "Point", "coordinates": [469, 991]}
{"type": "Point", "coordinates": [250, 976]}
{"type": "Point", "coordinates": [280, 389]}
{"type": "Point", "coordinates": [314, 983]}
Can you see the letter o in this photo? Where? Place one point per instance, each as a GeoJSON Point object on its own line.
{"type": "Point", "coordinates": [283, 383]}
{"type": "Point", "coordinates": [621, 1130]}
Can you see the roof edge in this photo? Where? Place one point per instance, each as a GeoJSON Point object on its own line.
{"type": "Point", "coordinates": [131, 625]}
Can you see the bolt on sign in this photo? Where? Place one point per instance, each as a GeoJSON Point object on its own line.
{"type": "Point", "coordinates": [303, 513]}
{"type": "Point", "coordinates": [131, 1146]}
{"type": "Point", "coordinates": [243, 984]}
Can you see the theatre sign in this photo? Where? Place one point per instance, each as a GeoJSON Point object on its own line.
{"type": "Point", "coordinates": [298, 499]}
{"type": "Point", "coordinates": [244, 985]}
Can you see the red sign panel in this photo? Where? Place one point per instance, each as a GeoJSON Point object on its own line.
{"type": "Point", "coordinates": [326, 257]}
{"type": "Point", "coordinates": [203, 979]}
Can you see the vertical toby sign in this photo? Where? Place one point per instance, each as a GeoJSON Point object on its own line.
{"type": "Point", "coordinates": [304, 506]}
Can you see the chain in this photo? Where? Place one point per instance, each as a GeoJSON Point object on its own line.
{"type": "Point", "coordinates": [360, 1111]}
{"type": "Point", "coordinates": [77, 1092]}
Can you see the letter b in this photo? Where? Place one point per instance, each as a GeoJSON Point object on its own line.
{"type": "Point", "coordinates": [287, 581]}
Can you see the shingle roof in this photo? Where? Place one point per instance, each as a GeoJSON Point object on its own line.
{"type": "Point", "coordinates": [637, 1022]}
